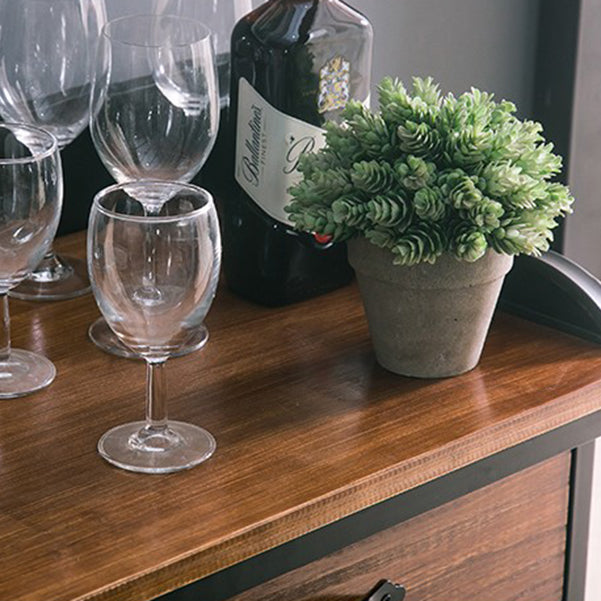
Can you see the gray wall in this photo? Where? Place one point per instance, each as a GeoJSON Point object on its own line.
{"type": "Point", "coordinates": [488, 44]}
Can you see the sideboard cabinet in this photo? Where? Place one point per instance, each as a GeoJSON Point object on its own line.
{"type": "Point", "coordinates": [330, 474]}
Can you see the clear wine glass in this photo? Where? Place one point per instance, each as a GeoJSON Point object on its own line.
{"type": "Point", "coordinates": [31, 195]}
{"type": "Point", "coordinates": [47, 51]}
{"type": "Point", "coordinates": [219, 16]}
{"type": "Point", "coordinates": [154, 114]}
{"type": "Point", "coordinates": [155, 302]}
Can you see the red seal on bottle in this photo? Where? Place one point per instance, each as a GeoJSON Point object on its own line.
{"type": "Point", "coordinates": [322, 238]}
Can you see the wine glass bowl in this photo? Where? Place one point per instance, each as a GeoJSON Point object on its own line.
{"type": "Point", "coordinates": [155, 302]}
{"type": "Point", "coordinates": [30, 202]}
{"type": "Point", "coordinates": [155, 101]}
{"type": "Point", "coordinates": [220, 17]}
{"type": "Point", "coordinates": [47, 49]}
{"type": "Point", "coordinates": [154, 115]}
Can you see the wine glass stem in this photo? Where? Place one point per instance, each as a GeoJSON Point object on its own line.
{"type": "Point", "coordinates": [149, 247]}
{"type": "Point", "coordinates": [149, 257]}
{"type": "Point", "coordinates": [156, 401]}
{"type": "Point", "coordinates": [51, 269]}
{"type": "Point", "coordinates": [4, 328]}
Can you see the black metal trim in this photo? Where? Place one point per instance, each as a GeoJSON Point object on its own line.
{"type": "Point", "coordinates": [581, 489]}
{"type": "Point", "coordinates": [555, 291]}
{"type": "Point", "coordinates": [315, 545]}
{"type": "Point", "coordinates": [386, 591]}
{"type": "Point", "coordinates": [555, 78]}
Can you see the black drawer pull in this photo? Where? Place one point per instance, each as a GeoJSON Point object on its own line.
{"type": "Point", "coordinates": [386, 591]}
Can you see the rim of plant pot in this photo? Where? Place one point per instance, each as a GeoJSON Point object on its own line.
{"type": "Point", "coordinates": [378, 263]}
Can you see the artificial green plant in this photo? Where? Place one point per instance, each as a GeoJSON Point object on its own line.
{"type": "Point", "coordinates": [428, 174]}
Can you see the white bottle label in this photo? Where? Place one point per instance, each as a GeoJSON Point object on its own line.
{"type": "Point", "coordinates": [269, 145]}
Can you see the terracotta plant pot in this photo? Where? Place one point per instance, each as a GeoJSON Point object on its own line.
{"type": "Point", "coordinates": [428, 321]}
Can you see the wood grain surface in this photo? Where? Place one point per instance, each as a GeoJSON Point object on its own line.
{"type": "Point", "coordinates": [505, 542]}
{"type": "Point", "coordinates": [309, 429]}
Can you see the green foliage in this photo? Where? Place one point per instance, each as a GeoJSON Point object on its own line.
{"type": "Point", "coordinates": [428, 174]}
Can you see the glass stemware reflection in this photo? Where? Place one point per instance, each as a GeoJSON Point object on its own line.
{"type": "Point", "coordinates": [155, 302]}
{"type": "Point", "coordinates": [154, 114]}
{"type": "Point", "coordinates": [47, 51]}
{"type": "Point", "coordinates": [31, 194]}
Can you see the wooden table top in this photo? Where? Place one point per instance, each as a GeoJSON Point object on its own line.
{"type": "Point", "coordinates": [309, 429]}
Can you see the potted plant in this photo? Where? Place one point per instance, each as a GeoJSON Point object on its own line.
{"type": "Point", "coordinates": [435, 196]}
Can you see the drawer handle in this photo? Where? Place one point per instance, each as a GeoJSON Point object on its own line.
{"type": "Point", "coordinates": [386, 591]}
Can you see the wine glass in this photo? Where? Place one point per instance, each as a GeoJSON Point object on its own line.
{"type": "Point", "coordinates": [220, 16]}
{"type": "Point", "coordinates": [154, 114]}
{"type": "Point", "coordinates": [47, 50]}
{"type": "Point", "coordinates": [31, 195]}
{"type": "Point", "coordinates": [155, 302]}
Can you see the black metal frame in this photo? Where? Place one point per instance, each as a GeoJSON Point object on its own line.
{"type": "Point", "coordinates": [579, 521]}
{"type": "Point", "coordinates": [315, 545]}
{"type": "Point", "coordinates": [555, 291]}
{"type": "Point", "coordinates": [555, 76]}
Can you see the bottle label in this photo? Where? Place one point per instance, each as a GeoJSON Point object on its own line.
{"type": "Point", "coordinates": [334, 85]}
{"type": "Point", "coordinates": [269, 146]}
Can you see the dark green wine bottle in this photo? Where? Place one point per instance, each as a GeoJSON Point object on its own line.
{"type": "Point", "coordinates": [295, 64]}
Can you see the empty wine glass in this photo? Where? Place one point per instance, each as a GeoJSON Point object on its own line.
{"type": "Point", "coordinates": [31, 195]}
{"type": "Point", "coordinates": [47, 51]}
{"type": "Point", "coordinates": [220, 16]}
{"type": "Point", "coordinates": [155, 303]}
{"type": "Point", "coordinates": [154, 114]}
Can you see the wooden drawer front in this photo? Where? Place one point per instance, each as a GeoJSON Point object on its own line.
{"type": "Point", "coordinates": [502, 543]}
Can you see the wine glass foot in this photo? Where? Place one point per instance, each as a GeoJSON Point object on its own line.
{"type": "Point", "coordinates": [105, 339]}
{"type": "Point", "coordinates": [138, 448]}
{"type": "Point", "coordinates": [24, 372]}
{"type": "Point", "coordinates": [68, 278]}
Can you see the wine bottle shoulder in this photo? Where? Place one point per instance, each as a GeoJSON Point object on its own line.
{"type": "Point", "coordinates": [286, 24]}
{"type": "Point", "coordinates": [287, 51]}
